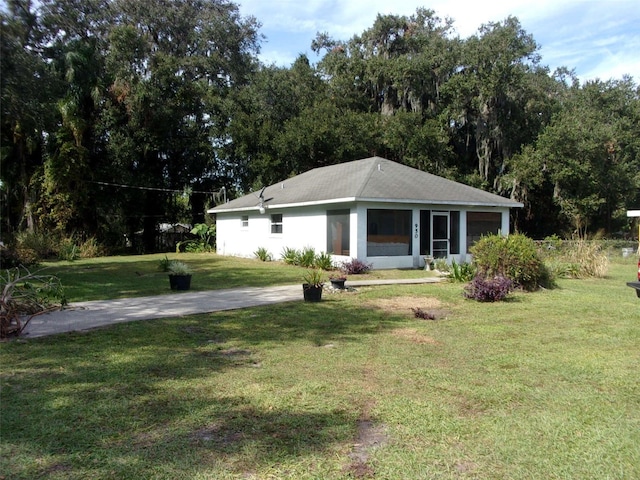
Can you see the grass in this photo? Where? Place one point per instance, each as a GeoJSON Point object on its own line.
{"type": "Point", "coordinates": [544, 385]}
{"type": "Point", "coordinates": [135, 276]}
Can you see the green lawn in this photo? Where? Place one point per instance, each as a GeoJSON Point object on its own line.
{"type": "Point", "coordinates": [139, 275]}
{"type": "Point", "coordinates": [542, 386]}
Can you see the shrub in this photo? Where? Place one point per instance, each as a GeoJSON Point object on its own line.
{"type": "Point", "coordinates": [488, 289]}
{"type": "Point", "coordinates": [290, 256]}
{"type": "Point", "coordinates": [324, 261]}
{"type": "Point", "coordinates": [164, 264]}
{"type": "Point", "coordinates": [263, 254]}
{"type": "Point", "coordinates": [90, 248]}
{"type": "Point", "coordinates": [356, 267]}
{"type": "Point", "coordinates": [68, 250]}
{"type": "Point", "coordinates": [27, 256]}
{"type": "Point", "coordinates": [32, 247]}
{"type": "Point", "coordinates": [515, 257]}
{"type": "Point", "coordinates": [441, 265]}
{"type": "Point", "coordinates": [578, 259]}
{"type": "Point", "coordinates": [307, 257]}
{"type": "Point", "coordinates": [8, 257]}
{"type": "Point", "coordinates": [204, 243]}
{"type": "Point", "coordinates": [461, 272]}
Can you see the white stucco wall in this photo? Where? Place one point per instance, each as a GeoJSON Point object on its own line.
{"type": "Point", "coordinates": [301, 227]}
{"type": "Point", "coordinates": [307, 227]}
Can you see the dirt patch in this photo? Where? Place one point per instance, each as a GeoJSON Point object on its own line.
{"type": "Point", "coordinates": [465, 466]}
{"type": "Point", "coordinates": [369, 436]}
{"type": "Point", "coordinates": [409, 304]}
{"type": "Point", "coordinates": [217, 434]}
{"type": "Point", "coordinates": [412, 335]}
{"type": "Point", "coordinates": [234, 352]}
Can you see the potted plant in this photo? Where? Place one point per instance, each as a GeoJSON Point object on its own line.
{"type": "Point", "coordinates": [337, 281]}
{"type": "Point", "coordinates": [313, 281]}
{"type": "Point", "coordinates": [179, 275]}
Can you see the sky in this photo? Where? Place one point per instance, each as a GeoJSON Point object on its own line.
{"type": "Point", "coordinates": [596, 38]}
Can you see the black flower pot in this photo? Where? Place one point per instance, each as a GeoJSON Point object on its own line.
{"type": "Point", "coordinates": [180, 282]}
{"type": "Point", "coordinates": [312, 293]}
{"type": "Point", "coordinates": [338, 283]}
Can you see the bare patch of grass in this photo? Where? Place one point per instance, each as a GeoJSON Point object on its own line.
{"type": "Point", "coordinates": [370, 436]}
{"type": "Point", "coordinates": [415, 306]}
{"type": "Point", "coordinates": [412, 335]}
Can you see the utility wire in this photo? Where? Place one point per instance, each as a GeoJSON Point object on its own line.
{"type": "Point", "coordinates": [155, 189]}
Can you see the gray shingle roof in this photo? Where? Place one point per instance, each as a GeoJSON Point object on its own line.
{"type": "Point", "coordinates": [370, 179]}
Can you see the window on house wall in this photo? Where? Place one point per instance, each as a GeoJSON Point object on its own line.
{"type": "Point", "coordinates": [276, 223]}
{"type": "Point", "coordinates": [454, 232]}
{"type": "Point", "coordinates": [425, 232]}
{"type": "Point", "coordinates": [245, 221]}
{"type": "Point", "coordinates": [388, 233]}
{"type": "Point", "coordinates": [338, 227]}
{"type": "Point", "coordinates": [482, 223]}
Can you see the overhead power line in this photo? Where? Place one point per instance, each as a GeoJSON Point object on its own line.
{"type": "Point", "coordinates": [155, 189]}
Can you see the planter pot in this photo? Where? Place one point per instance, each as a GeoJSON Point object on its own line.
{"type": "Point", "coordinates": [180, 282]}
{"type": "Point", "coordinates": [337, 283]}
{"type": "Point", "coordinates": [312, 293]}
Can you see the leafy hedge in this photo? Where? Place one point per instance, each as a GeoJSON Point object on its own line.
{"type": "Point", "coordinates": [514, 257]}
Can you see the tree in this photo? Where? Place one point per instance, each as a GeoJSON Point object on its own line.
{"type": "Point", "coordinates": [398, 64]}
{"type": "Point", "coordinates": [26, 89]}
{"type": "Point", "coordinates": [171, 66]}
{"type": "Point", "coordinates": [588, 157]}
{"type": "Point", "coordinates": [486, 98]}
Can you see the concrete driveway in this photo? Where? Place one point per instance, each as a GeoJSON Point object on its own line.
{"type": "Point", "coordinates": [98, 313]}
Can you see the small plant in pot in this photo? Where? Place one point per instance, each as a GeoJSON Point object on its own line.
{"type": "Point", "coordinates": [313, 281]}
{"type": "Point", "coordinates": [179, 275]}
{"type": "Point", "coordinates": [337, 281]}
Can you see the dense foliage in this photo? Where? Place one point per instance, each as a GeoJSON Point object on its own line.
{"type": "Point", "coordinates": [118, 115]}
{"type": "Point", "coordinates": [488, 289]}
{"type": "Point", "coordinates": [514, 257]}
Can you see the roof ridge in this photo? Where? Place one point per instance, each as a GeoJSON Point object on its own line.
{"type": "Point", "coordinates": [365, 181]}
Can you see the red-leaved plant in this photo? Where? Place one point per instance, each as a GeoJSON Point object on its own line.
{"type": "Point", "coordinates": [488, 289]}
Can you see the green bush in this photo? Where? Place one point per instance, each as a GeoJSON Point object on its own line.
{"type": "Point", "coordinates": [263, 254]}
{"type": "Point", "coordinates": [290, 256]}
{"type": "Point", "coordinates": [307, 258]}
{"type": "Point", "coordinates": [163, 264]}
{"type": "Point", "coordinates": [68, 250]}
{"type": "Point", "coordinates": [515, 257]}
{"type": "Point", "coordinates": [324, 261]}
{"type": "Point", "coordinates": [462, 272]}
{"type": "Point", "coordinates": [34, 246]}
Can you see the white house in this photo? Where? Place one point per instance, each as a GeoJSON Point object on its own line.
{"type": "Point", "coordinates": [375, 210]}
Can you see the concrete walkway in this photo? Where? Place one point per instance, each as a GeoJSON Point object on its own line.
{"type": "Point", "coordinates": [85, 315]}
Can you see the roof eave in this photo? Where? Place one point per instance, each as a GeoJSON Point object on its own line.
{"type": "Point", "coordinates": [506, 204]}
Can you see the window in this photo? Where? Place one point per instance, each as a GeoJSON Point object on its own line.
{"type": "Point", "coordinates": [454, 232]}
{"type": "Point", "coordinates": [388, 232]}
{"type": "Point", "coordinates": [425, 232]}
{"type": "Point", "coordinates": [276, 223]}
{"type": "Point", "coordinates": [482, 223]}
{"type": "Point", "coordinates": [245, 221]}
{"type": "Point", "coordinates": [338, 232]}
